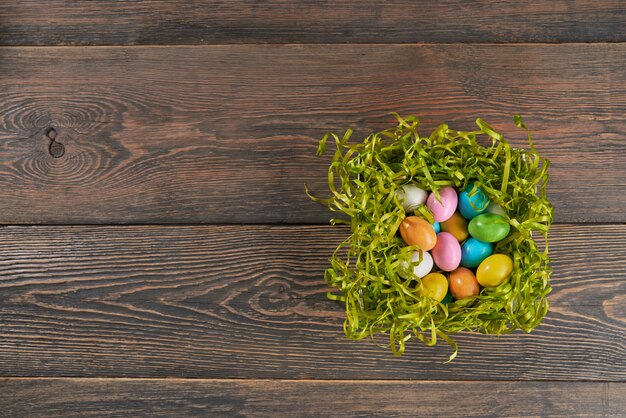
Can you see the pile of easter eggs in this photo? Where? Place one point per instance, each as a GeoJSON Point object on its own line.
{"type": "Point", "coordinates": [456, 252]}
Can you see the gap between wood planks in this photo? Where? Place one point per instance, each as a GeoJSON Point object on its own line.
{"type": "Point", "coordinates": [288, 380]}
{"type": "Point", "coordinates": [291, 44]}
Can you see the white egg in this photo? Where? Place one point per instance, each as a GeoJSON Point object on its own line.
{"type": "Point", "coordinates": [496, 209]}
{"type": "Point", "coordinates": [411, 197]}
{"type": "Point", "coordinates": [420, 269]}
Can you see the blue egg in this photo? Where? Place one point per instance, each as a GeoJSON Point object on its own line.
{"type": "Point", "coordinates": [472, 202]}
{"type": "Point", "coordinates": [437, 227]}
{"type": "Point", "coordinates": [447, 298]}
{"type": "Point", "coordinates": [473, 252]}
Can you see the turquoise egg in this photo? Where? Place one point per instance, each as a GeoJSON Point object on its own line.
{"type": "Point", "coordinates": [473, 252]}
{"type": "Point", "coordinates": [437, 227]}
{"type": "Point", "coordinates": [472, 202]}
{"type": "Point", "coordinates": [489, 227]}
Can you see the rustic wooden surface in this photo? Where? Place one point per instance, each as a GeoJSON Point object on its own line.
{"type": "Point", "coordinates": [149, 149]}
{"type": "Point", "coordinates": [201, 134]}
{"type": "Point", "coordinates": [112, 22]}
{"type": "Point", "coordinates": [249, 302]}
{"type": "Point", "coordinates": [223, 397]}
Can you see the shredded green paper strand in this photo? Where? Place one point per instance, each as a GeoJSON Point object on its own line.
{"type": "Point", "coordinates": [363, 179]}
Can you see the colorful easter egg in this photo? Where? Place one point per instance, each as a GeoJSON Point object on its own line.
{"type": "Point", "coordinates": [457, 226]}
{"type": "Point", "coordinates": [446, 252]}
{"type": "Point", "coordinates": [494, 270]}
{"type": "Point", "coordinates": [420, 268]}
{"type": "Point", "coordinates": [437, 227]}
{"type": "Point", "coordinates": [434, 285]}
{"type": "Point", "coordinates": [463, 283]}
{"type": "Point", "coordinates": [489, 227]}
{"type": "Point", "coordinates": [496, 209]}
{"type": "Point", "coordinates": [443, 210]}
{"type": "Point", "coordinates": [473, 252]}
{"type": "Point", "coordinates": [411, 197]}
{"type": "Point", "coordinates": [448, 297]}
{"type": "Point", "coordinates": [472, 201]}
{"type": "Point", "coordinates": [417, 231]}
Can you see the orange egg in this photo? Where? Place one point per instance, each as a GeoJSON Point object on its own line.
{"type": "Point", "coordinates": [457, 226]}
{"type": "Point", "coordinates": [417, 231]}
{"type": "Point", "coordinates": [463, 283]}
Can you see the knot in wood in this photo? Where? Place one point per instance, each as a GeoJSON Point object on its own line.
{"type": "Point", "coordinates": [57, 150]}
{"type": "Point", "coordinates": [52, 133]}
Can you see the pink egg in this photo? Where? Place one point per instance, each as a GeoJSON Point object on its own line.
{"type": "Point", "coordinates": [442, 211]}
{"type": "Point", "coordinates": [447, 252]}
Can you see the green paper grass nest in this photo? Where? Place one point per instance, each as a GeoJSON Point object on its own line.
{"type": "Point", "coordinates": [363, 179]}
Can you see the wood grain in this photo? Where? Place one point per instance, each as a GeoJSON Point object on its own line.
{"type": "Point", "coordinates": [227, 134]}
{"type": "Point", "coordinates": [250, 302]}
{"type": "Point", "coordinates": [271, 398]}
{"type": "Point", "coordinates": [280, 21]}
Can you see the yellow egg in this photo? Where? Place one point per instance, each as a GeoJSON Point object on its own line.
{"type": "Point", "coordinates": [457, 226]}
{"type": "Point", "coordinates": [435, 285]}
{"type": "Point", "coordinates": [494, 270]}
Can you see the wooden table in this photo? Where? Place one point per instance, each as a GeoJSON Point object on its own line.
{"type": "Point", "coordinates": [159, 256]}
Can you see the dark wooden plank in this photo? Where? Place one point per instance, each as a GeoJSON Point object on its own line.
{"type": "Point", "coordinates": [59, 22]}
{"type": "Point", "coordinates": [179, 397]}
{"type": "Point", "coordinates": [227, 134]}
{"type": "Point", "coordinates": [250, 302]}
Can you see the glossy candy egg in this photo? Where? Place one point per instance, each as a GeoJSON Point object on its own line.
{"type": "Point", "coordinates": [496, 209]}
{"type": "Point", "coordinates": [489, 227]}
{"type": "Point", "coordinates": [473, 252]}
{"type": "Point", "coordinates": [463, 283]}
{"type": "Point", "coordinates": [411, 197]}
{"type": "Point", "coordinates": [420, 268]}
{"type": "Point", "coordinates": [457, 226]}
{"type": "Point", "coordinates": [447, 252]}
{"type": "Point", "coordinates": [494, 270]}
{"type": "Point", "coordinates": [472, 201]}
{"type": "Point", "coordinates": [417, 231]}
{"type": "Point", "coordinates": [434, 285]}
{"type": "Point", "coordinates": [443, 210]}
{"type": "Point", "coordinates": [437, 227]}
